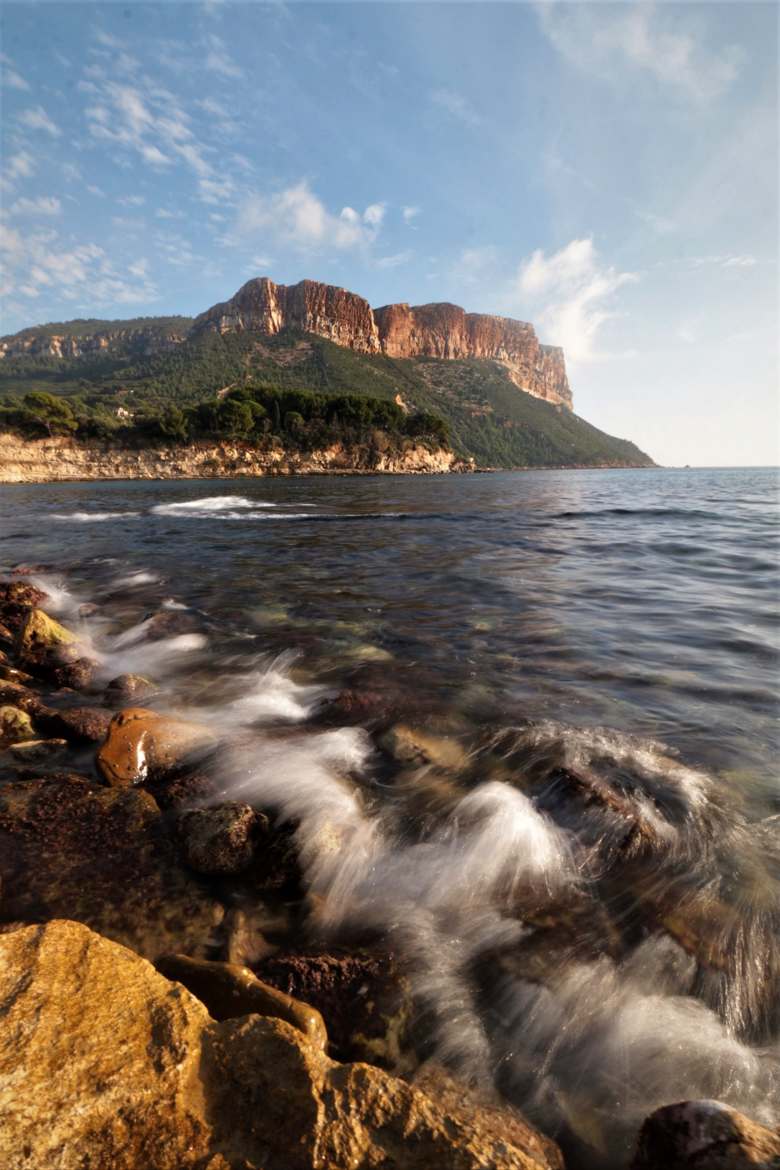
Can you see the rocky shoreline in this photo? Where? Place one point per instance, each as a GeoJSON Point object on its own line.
{"type": "Point", "coordinates": [154, 1013]}
{"type": "Point", "coordinates": [61, 459]}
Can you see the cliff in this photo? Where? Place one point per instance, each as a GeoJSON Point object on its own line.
{"type": "Point", "coordinates": [63, 459]}
{"type": "Point", "coordinates": [399, 331]}
{"type": "Point", "coordinates": [265, 309]}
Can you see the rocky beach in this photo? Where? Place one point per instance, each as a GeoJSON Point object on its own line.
{"type": "Point", "coordinates": [263, 911]}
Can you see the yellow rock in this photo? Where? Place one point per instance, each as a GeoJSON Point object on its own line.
{"type": "Point", "coordinates": [142, 744]}
{"type": "Point", "coordinates": [105, 1063]}
{"type": "Point", "coordinates": [15, 725]}
{"type": "Point", "coordinates": [410, 746]}
{"type": "Point", "coordinates": [41, 632]}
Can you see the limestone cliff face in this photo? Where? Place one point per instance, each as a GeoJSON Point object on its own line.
{"type": "Point", "coordinates": [264, 307]}
{"type": "Point", "coordinates": [400, 331]}
{"type": "Point", "coordinates": [39, 343]}
{"type": "Point", "coordinates": [447, 331]}
{"type": "Point", "coordinates": [63, 459]}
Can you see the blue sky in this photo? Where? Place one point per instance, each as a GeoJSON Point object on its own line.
{"type": "Point", "coordinates": [609, 172]}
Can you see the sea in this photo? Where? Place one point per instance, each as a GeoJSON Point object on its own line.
{"type": "Point", "coordinates": [579, 868]}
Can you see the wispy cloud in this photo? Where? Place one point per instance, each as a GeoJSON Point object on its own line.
{"type": "Point", "coordinates": [19, 166]}
{"type": "Point", "coordinates": [456, 105]}
{"type": "Point", "coordinates": [9, 76]}
{"type": "Point", "coordinates": [36, 118]}
{"type": "Point", "coordinates": [571, 294]}
{"type": "Point", "coordinates": [218, 60]}
{"type": "Point", "coordinates": [664, 42]}
{"type": "Point", "coordinates": [394, 261]}
{"type": "Point", "coordinates": [43, 205]}
{"type": "Point", "coordinates": [409, 213]}
{"type": "Point", "coordinates": [298, 216]}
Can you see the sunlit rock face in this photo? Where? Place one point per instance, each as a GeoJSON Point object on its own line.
{"type": "Point", "coordinates": [400, 331]}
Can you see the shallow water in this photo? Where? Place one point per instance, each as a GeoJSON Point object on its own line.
{"type": "Point", "coordinates": [587, 905]}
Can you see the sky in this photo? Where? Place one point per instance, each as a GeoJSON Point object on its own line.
{"type": "Point", "coordinates": [606, 171]}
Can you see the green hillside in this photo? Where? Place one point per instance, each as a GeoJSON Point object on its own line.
{"type": "Point", "coordinates": [487, 416]}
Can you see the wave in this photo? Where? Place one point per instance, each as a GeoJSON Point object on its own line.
{"type": "Point", "coordinates": [649, 513]}
{"type": "Point", "coordinates": [92, 517]}
{"type": "Point", "coordinates": [211, 504]}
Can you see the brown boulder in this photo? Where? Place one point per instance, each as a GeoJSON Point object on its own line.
{"type": "Point", "coordinates": [17, 598]}
{"type": "Point", "coordinates": [124, 1069]}
{"type": "Point", "coordinates": [218, 840]}
{"type": "Point", "coordinates": [102, 857]}
{"type": "Point", "coordinates": [143, 745]}
{"type": "Point", "coordinates": [81, 724]}
{"type": "Point", "coordinates": [705, 1135]}
{"type": "Point", "coordinates": [15, 725]}
{"type": "Point", "coordinates": [128, 688]}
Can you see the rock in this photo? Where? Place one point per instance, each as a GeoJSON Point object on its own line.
{"type": "Point", "coordinates": [124, 1069]}
{"type": "Point", "coordinates": [10, 674]}
{"type": "Point", "coordinates": [143, 745]}
{"type": "Point", "coordinates": [127, 688]}
{"type": "Point", "coordinates": [705, 1135]}
{"type": "Point", "coordinates": [218, 840]}
{"type": "Point", "coordinates": [6, 636]}
{"type": "Point", "coordinates": [102, 857]}
{"type": "Point", "coordinates": [365, 1002]}
{"type": "Point", "coordinates": [409, 746]}
{"type": "Point", "coordinates": [34, 751]}
{"type": "Point", "coordinates": [17, 598]}
{"type": "Point", "coordinates": [230, 990]}
{"type": "Point", "coordinates": [80, 724]}
{"type": "Point", "coordinates": [15, 725]}
{"type": "Point", "coordinates": [76, 674]}
{"type": "Point", "coordinates": [39, 634]}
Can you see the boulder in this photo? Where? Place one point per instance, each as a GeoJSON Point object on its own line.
{"type": "Point", "coordinates": [103, 857]}
{"type": "Point", "coordinates": [40, 633]}
{"type": "Point", "coordinates": [79, 724]}
{"type": "Point", "coordinates": [15, 725]}
{"type": "Point", "coordinates": [34, 751]}
{"type": "Point", "coordinates": [127, 688]}
{"type": "Point", "coordinates": [229, 990]}
{"type": "Point", "coordinates": [17, 598]}
{"type": "Point", "coordinates": [127, 1070]}
{"type": "Point", "coordinates": [705, 1135]}
{"type": "Point", "coordinates": [365, 1002]}
{"type": "Point", "coordinates": [143, 745]}
{"type": "Point", "coordinates": [218, 840]}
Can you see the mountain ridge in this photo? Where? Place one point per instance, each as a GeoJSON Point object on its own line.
{"type": "Point", "coordinates": [440, 329]}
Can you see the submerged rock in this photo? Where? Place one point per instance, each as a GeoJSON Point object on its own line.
{"type": "Point", "coordinates": [102, 857]}
{"type": "Point", "coordinates": [33, 751]}
{"type": "Point", "coordinates": [143, 745]}
{"type": "Point", "coordinates": [705, 1135]}
{"type": "Point", "coordinates": [128, 688]}
{"type": "Point", "coordinates": [127, 1070]}
{"type": "Point", "coordinates": [411, 747]}
{"type": "Point", "coordinates": [229, 990]}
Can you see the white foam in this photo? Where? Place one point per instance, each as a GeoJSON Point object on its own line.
{"type": "Point", "coordinates": [133, 580]}
{"type": "Point", "coordinates": [92, 517]}
{"type": "Point", "coordinates": [209, 504]}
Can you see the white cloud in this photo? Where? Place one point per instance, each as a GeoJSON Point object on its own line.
{"type": "Point", "coordinates": [94, 190]}
{"type": "Point", "coordinates": [19, 166]}
{"type": "Point", "coordinates": [456, 105]}
{"type": "Point", "coordinates": [475, 264]}
{"type": "Point", "coordinates": [410, 213]}
{"type": "Point", "coordinates": [219, 61]}
{"type": "Point", "coordinates": [139, 268]}
{"type": "Point", "coordinates": [36, 118]}
{"type": "Point", "coordinates": [394, 261]}
{"type": "Point", "coordinates": [374, 214]}
{"type": "Point", "coordinates": [163, 213]}
{"type": "Point", "coordinates": [215, 190]}
{"type": "Point", "coordinates": [570, 293]}
{"type": "Point", "coordinates": [13, 80]}
{"type": "Point", "coordinates": [43, 205]}
{"type": "Point", "coordinates": [299, 217]}
{"type": "Point", "coordinates": [656, 40]}
{"type": "Point", "coordinates": [72, 273]}
{"type": "Point", "coordinates": [132, 200]}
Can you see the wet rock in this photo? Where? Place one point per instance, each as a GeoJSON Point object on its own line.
{"type": "Point", "coordinates": [245, 941]}
{"type": "Point", "coordinates": [218, 840]}
{"type": "Point", "coordinates": [78, 724]}
{"type": "Point", "coordinates": [102, 857]}
{"type": "Point", "coordinates": [15, 725]}
{"type": "Point", "coordinates": [365, 1002]}
{"type": "Point", "coordinates": [40, 634]}
{"type": "Point", "coordinates": [705, 1135]}
{"type": "Point", "coordinates": [127, 1070]}
{"type": "Point", "coordinates": [143, 745]}
{"type": "Point", "coordinates": [229, 990]}
{"type": "Point", "coordinates": [17, 598]}
{"type": "Point", "coordinates": [411, 747]}
{"type": "Point", "coordinates": [128, 688]}
{"type": "Point", "coordinates": [6, 636]}
{"type": "Point", "coordinates": [34, 751]}
{"type": "Point", "coordinates": [172, 623]}
{"type": "Point", "coordinates": [12, 675]}
{"type": "Point", "coordinates": [76, 674]}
